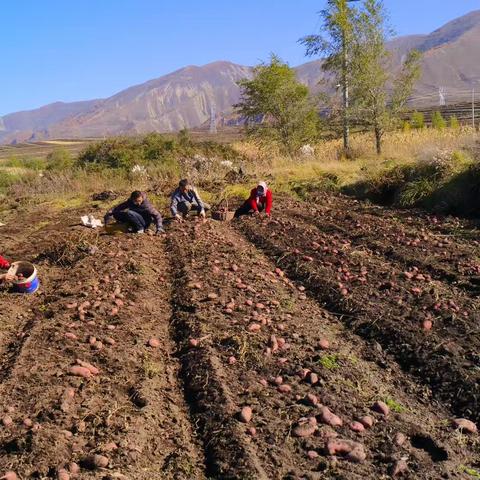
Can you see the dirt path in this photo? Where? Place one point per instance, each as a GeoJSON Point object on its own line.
{"type": "Point", "coordinates": [234, 336]}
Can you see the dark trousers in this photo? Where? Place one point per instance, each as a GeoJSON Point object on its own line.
{"type": "Point", "coordinates": [185, 207]}
{"type": "Point", "coordinates": [246, 209]}
{"type": "Point", "coordinates": [133, 219]}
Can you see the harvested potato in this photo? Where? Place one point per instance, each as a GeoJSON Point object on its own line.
{"type": "Point", "coordinates": [246, 415]}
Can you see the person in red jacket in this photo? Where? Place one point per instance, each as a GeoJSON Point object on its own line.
{"type": "Point", "coordinates": [260, 200]}
{"type": "Point", "coordinates": [5, 264]}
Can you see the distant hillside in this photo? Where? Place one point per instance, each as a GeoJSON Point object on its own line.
{"type": "Point", "coordinates": [185, 98]}
{"type": "Point", "coordinates": [42, 118]}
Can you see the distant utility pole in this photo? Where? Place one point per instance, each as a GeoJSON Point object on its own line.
{"type": "Point", "coordinates": [213, 120]}
{"type": "Point", "coordinates": [473, 108]}
{"type": "Point", "coordinates": [442, 91]}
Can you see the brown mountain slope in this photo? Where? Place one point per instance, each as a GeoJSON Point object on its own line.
{"type": "Point", "coordinates": [42, 117]}
{"type": "Point", "coordinates": [184, 99]}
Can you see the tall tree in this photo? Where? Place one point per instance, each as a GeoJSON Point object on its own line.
{"type": "Point", "coordinates": [335, 46]}
{"type": "Point", "coordinates": [378, 95]}
{"type": "Point", "coordinates": [278, 107]}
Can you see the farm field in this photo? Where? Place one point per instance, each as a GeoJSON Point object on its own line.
{"type": "Point", "coordinates": [336, 340]}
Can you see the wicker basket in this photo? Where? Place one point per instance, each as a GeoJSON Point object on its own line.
{"type": "Point", "coordinates": [221, 212]}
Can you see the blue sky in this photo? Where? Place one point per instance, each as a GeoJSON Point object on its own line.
{"type": "Point", "coordinates": [74, 50]}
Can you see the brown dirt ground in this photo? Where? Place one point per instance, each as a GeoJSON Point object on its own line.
{"type": "Point", "coordinates": [213, 299]}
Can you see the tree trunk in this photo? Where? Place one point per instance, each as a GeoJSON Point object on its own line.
{"type": "Point", "coordinates": [378, 139]}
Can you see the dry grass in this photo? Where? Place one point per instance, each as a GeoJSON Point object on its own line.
{"type": "Point", "coordinates": [326, 167]}
{"type": "Point", "coordinates": [400, 148]}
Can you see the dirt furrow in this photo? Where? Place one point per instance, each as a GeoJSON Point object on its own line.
{"type": "Point", "coordinates": [415, 240]}
{"type": "Point", "coordinates": [251, 336]}
{"type": "Point", "coordinates": [120, 413]}
{"type": "Point", "coordinates": [444, 362]}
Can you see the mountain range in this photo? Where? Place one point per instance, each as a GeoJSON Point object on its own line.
{"type": "Point", "coordinates": [188, 97]}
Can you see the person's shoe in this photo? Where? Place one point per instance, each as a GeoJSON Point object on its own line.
{"type": "Point", "coordinates": [161, 231]}
{"type": "Point", "coordinates": [139, 232]}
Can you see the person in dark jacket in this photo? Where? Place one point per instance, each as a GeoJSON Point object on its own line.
{"type": "Point", "coordinates": [260, 200]}
{"type": "Point", "coordinates": [138, 213]}
{"type": "Point", "coordinates": [184, 199]}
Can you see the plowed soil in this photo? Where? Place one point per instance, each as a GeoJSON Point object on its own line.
{"type": "Point", "coordinates": [243, 350]}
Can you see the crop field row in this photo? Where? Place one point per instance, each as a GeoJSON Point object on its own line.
{"type": "Point", "coordinates": [291, 348]}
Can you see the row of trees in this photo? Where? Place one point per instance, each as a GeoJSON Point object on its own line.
{"type": "Point", "coordinates": [356, 61]}
{"type": "Point", "coordinates": [438, 122]}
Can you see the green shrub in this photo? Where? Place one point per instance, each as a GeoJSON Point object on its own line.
{"type": "Point", "coordinates": [153, 149]}
{"type": "Point", "coordinates": [454, 123]}
{"type": "Point", "coordinates": [119, 152]}
{"type": "Point", "coordinates": [414, 192]}
{"type": "Point", "coordinates": [28, 163]}
{"type": "Point", "coordinates": [438, 122]}
{"type": "Point", "coordinates": [7, 179]}
{"type": "Point", "coordinates": [59, 159]}
{"type": "Point", "coordinates": [418, 120]}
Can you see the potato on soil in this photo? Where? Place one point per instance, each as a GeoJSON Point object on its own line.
{"type": "Point", "coordinates": [93, 370]}
{"type": "Point", "coordinates": [381, 407]}
{"type": "Point", "coordinates": [350, 450]}
{"type": "Point", "coordinates": [93, 462]}
{"type": "Point", "coordinates": [79, 371]}
{"type": "Point", "coordinates": [324, 344]}
{"type": "Point", "coordinates": [357, 427]}
{"type": "Point", "coordinates": [27, 422]}
{"type": "Point", "coordinates": [245, 415]}
{"type": "Point", "coordinates": [9, 476]}
{"type": "Point", "coordinates": [366, 421]}
{"type": "Point", "coordinates": [465, 425]}
{"type": "Point", "coordinates": [329, 418]}
{"type": "Point", "coordinates": [311, 400]}
{"type": "Point", "coordinates": [284, 388]}
{"type": "Point", "coordinates": [154, 343]}
{"type": "Point", "coordinates": [305, 428]}
{"type": "Point", "coordinates": [62, 474]}
{"type": "Point", "coordinates": [7, 421]}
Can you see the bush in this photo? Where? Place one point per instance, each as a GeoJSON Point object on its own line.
{"type": "Point", "coordinates": [153, 150]}
{"type": "Point", "coordinates": [35, 164]}
{"type": "Point", "coordinates": [438, 122]}
{"type": "Point", "coordinates": [414, 192]}
{"type": "Point", "coordinates": [454, 123]}
{"type": "Point", "coordinates": [59, 159]}
{"type": "Point", "coordinates": [418, 120]}
{"type": "Point", "coordinates": [119, 152]}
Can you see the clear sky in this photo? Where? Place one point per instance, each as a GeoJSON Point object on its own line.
{"type": "Point", "coordinates": [83, 49]}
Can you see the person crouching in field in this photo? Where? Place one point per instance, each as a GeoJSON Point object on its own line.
{"type": "Point", "coordinates": [185, 199]}
{"type": "Point", "coordinates": [138, 213]}
{"type": "Point", "coordinates": [4, 265]}
{"type": "Point", "coordinates": [260, 200]}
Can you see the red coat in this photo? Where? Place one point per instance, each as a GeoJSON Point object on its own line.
{"type": "Point", "coordinates": [266, 200]}
{"type": "Point", "coordinates": [4, 263]}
